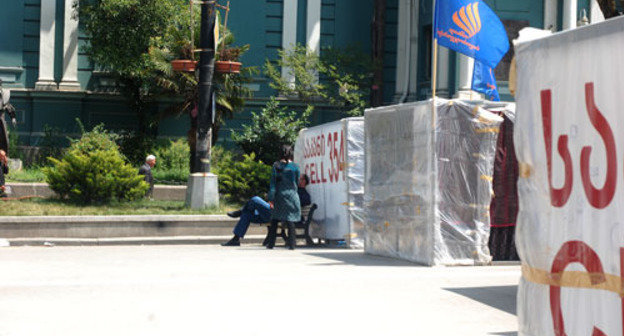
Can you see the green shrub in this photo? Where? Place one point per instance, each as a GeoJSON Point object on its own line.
{"type": "Point", "coordinates": [93, 170]}
{"type": "Point", "coordinates": [175, 155]}
{"type": "Point", "coordinates": [172, 162]}
{"type": "Point", "coordinates": [240, 180]}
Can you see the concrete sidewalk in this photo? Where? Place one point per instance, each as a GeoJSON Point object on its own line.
{"type": "Point", "coordinates": [214, 290]}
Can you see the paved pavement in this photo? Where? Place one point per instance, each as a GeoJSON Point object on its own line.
{"type": "Point", "coordinates": [214, 290]}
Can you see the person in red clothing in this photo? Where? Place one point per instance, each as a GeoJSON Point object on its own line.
{"type": "Point", "coordinates": [4, 169]}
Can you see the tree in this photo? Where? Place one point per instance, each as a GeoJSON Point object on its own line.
{"type": "Point", "coordinates": [609, 8]}
{"type": "Point", "coordinates": [341, 77]}
{"type": "Point", "coordinates": [271, 129]}
{"type": "Point", "coordinates": [136, 40]}
{"type": "Point", "coordinates": [121, 35]}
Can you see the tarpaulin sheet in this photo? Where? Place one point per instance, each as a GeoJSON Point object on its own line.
{"type": "Point", "coordinates": [570, 231]}
{"type": "Point", "coordinates": [332, 155]}
{"type": "Point", "coordinates": [429, 180]}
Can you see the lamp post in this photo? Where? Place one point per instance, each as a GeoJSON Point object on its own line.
{"type": "Point", "coordinates": [202, 189]}
{"type": "Point", "coordinates": [205, 116]}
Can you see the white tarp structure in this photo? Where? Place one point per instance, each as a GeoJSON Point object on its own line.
{"type": "Point", "coordinates": [428, 188]}
{"type": "Point", "coordinates": [570, 233]}
{"type": "Point", "coordinates": [332, 155]}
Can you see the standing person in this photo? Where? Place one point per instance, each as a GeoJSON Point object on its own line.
{"type": "Point", "coordinates": [146, 169]}
{"type": "Point", "coordinates": [5, 95]}
{"type": "Point", "coordinates": [258, 211]}
{"type": "Point", "coordinates": [4, 169]}
{"type": "Point", "coordinates": [283, 197]}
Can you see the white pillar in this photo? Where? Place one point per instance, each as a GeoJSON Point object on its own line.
{"type": "Point", "coordinates": [442, 86]}
{"type": "Point", "coordinates": [466, 65]}
{"type": "Point", "coordinates": [570, 8]}
{"type": "Point", "coordinates": [595, 12]}
{"type": "Point", "coordinates": [402, 45]}
{"type": "Point", "coordinates": [413, 59]}
{"type": "Point", "coordinates": [289, 34]}
{"type": "Point", "coordinates": [46, 46]}
{"type": "Point", "coordinates": [70, 50]}
{"type": "Point", "coordinates": [550, 14]}
{"type": "Point", "coordinates": [407, 50]}
{"type": "Point", "coordinates": [313, 30]}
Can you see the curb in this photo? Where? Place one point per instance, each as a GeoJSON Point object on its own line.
{"type": "Point", "coordinates": [182, 240]}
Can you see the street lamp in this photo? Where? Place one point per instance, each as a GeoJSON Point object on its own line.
{"type": "Point", "coordinates": [202, 190]}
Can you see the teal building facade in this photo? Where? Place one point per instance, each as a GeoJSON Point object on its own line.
{"type": "Point", "coordinates": [53, 82]}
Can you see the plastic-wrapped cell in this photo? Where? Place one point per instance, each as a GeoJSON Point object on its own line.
{"type": "Point", "coordinates": [428, 181]}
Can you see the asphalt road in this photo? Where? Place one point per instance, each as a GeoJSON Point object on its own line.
{"type": "Point", "coordinates": [214, 290]}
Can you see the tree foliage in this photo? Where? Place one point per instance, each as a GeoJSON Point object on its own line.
{"type": "Point", "coordinates": [609, 8]}
{"type": "Point", "coordinates": [270, 129]}
{"type": "Point", "coordinates": [135, 41]}
{"type": "Point", "coordinates": [341, 77]}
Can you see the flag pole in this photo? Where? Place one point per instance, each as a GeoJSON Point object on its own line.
{"type": "Point", "coordinates": [434, 63]}
{"type": "Point", "coordinates": [434, 71]}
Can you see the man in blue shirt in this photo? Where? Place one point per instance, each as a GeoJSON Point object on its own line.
{"type": "Point", "coordinates": [258, 211]}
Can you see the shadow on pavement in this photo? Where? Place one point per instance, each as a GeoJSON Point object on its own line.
{"type": "Point", "coordinates": [358, 258]}
{"type": "Point", "coordinates": [499, 297]}
{"type": "Point", "coordinates": [508, 333]}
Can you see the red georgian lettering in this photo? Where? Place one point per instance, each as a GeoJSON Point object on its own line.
{"type": "Point", "coordinates": [573, 252]}
{"type": "Point", "coordinates": [558, 197]}
{"type": "Point", "coordinates": [599, 198]}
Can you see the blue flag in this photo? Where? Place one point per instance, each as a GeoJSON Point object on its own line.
{"type": "Point", "coordinates": [483, 81]}
{"type": "Point", "coordinates": [470, 27]}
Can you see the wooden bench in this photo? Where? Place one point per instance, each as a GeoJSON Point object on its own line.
{"type": "Point", "coordinates": [307, 213]}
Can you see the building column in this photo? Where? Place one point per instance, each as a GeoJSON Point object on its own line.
{"type": "Point", "coordinates": [464, 83]}
{"type": "Point", "coordinates": [442, 80]}
{"type": "Point", "coordinates": [46, 46]}
{"type": "Point", "coordinates": [595, 14]}
{"type": "Point", "coordinates": [313, 31]}
{"type": "Point", "coordinates": [407, 50]}
{"type": "Point", "coordinates": [70, 50]}
{"type": "Point", "coordinates": [289, 34]}
{"type": "Point", "coordinates": [570, 9]}
{"type": "Point", "coordinates": [550, 15]}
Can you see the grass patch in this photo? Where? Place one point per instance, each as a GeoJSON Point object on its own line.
{"type": "Point", "coordinates": [29, 175]}
{"type": "Point", "coordinates": [56, 207]}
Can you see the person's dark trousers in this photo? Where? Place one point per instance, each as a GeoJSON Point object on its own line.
{"type": "Point", "coordinates": [272, 235]}
{"type": "Point", "coordinates": [292, 235]}
{"type": "Point", "coordinates": [256, 210]}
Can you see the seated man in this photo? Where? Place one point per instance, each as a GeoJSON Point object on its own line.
{"type": "Point", "coordinates": [257, 211]}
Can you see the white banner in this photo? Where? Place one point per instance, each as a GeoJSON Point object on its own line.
{"type": "Point", "coordinates": [570, 232]}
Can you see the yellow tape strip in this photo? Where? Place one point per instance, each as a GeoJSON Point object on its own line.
{"type": "Point", "coordinates": [487, 130]}
{"type": "Point", "coordinates": [487, 178]}
{"type": "Point", "coordinates": [475, 110]}
{"type": "Point", "coordinates": [525, 170]}
{"type": "Point", "coordinates": [347, 204]}
{"type": "Point", "coordinates": [574, 279]}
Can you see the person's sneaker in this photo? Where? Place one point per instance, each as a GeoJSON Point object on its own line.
{"type": "Point", "coordinates": [235, 214]}
{"type": "Point", "coordinates": [232, 242]}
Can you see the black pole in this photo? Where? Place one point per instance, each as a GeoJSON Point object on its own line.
{"type": "Point", "coordinates": [205, 118]}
